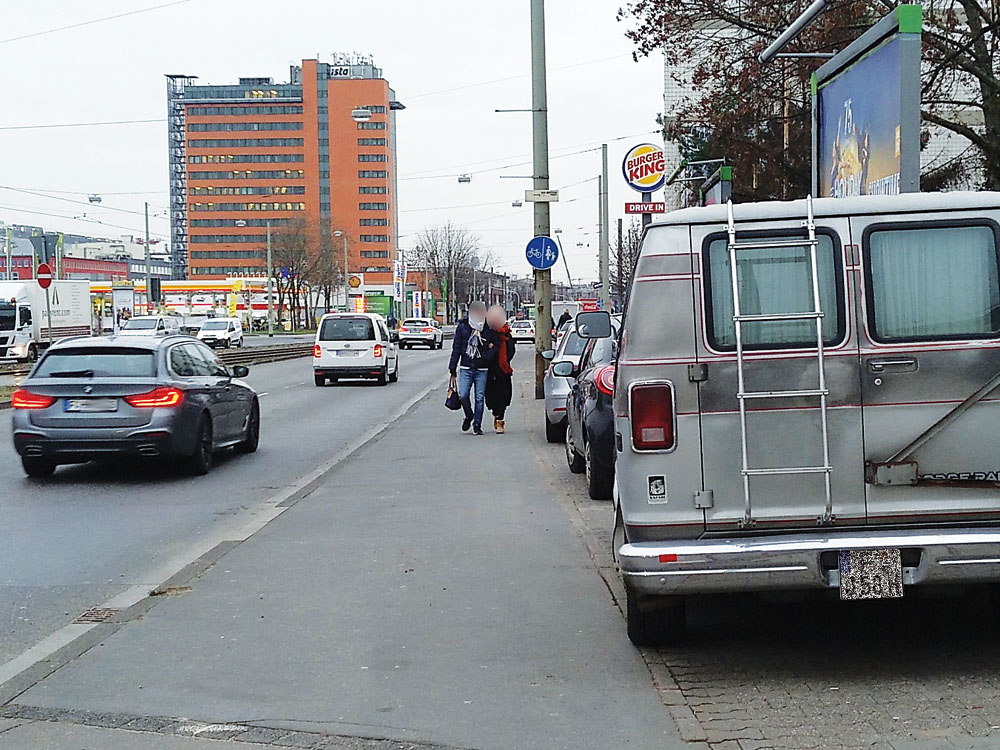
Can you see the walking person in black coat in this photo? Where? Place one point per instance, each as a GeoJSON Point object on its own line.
{"type": "Point", "coordinates": [473, 350]}
{"type": "Point", "coordinates": [499, 386]}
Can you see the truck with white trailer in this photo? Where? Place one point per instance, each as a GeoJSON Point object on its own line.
{"type": "Point", "coordinates": [25, 326]}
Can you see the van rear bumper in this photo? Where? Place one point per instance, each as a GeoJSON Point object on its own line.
{"type": "Point", "coordinates": [805, 560]}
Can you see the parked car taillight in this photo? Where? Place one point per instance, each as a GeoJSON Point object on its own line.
{"type": "Point", "coordinates": [378, 351]}
{"type": "Point", "coordinates": [22, 399]}
{"type": "Point", "coordinates": [605, 380]}
{"type": "Point", "coordinates": [156, 398]}
{"type": "Point", "coordinates": [651, 410]}
{"type": "Point", "coordinates": [317, 351]}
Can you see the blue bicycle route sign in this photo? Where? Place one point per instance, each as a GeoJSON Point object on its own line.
{"type": "Point", "coordinates": [542, 252]}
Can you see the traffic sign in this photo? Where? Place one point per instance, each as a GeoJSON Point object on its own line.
{"type": "Point", "coordinates": [596, 284]}
{"type": "Point", "coordinates": [44, 275]}
{"type": "Point", "coordinates": [654, 207]}
{"type": "Point", "coordinates": [542, 252]}
{"type": "Point", "coordinates": [541, 196]}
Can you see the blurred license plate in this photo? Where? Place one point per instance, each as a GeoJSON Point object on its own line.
{"type": "Point", "coordinates": [90, 405]}
{"type": "Point", "coordinates": [348, 353]}
{"type": "Point", "coordinates": [871, 574]}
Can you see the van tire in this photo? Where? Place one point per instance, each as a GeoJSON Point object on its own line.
{"type": "Point", "coordinates": [383, 377]}
{"type": "Point", "coordinates": [654, 621]}
{"type": "Point", "coordinates": [574, 460]}
{"type": "Point", "coordinates": [320, 380]}
{"type": "Point", "coordinates": [599, 483]}
{"type": "Point", "coordinates": [394, 378]}
{"type": "Point", "coordinates": [555, 433]}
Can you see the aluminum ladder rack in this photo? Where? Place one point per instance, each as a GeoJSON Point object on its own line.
{"type": "Point", "coordinates": [743, 395]}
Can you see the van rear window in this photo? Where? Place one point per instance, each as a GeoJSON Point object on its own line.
{"type": "Point", "coordinates": [773, 280]}
{"type": "Point", "coordinates": [932, 283]}
{"type": "Point", "coordinates": [347, 329]}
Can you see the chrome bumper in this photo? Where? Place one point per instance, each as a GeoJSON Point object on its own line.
{"type": "Point", "coordinates": [797, 561]}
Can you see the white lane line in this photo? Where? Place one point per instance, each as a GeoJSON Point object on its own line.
{"type": "Point", "coordinates": [238, 528]}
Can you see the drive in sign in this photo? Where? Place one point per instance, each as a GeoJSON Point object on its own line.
{"type": "Point", "coordinates": [645, 167]}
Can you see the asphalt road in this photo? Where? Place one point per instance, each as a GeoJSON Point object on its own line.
{"type": "Point", "coordinates": [69, 543]}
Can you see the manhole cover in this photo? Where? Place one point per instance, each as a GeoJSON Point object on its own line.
{"type": "Point", "coordinates": [97, 614]}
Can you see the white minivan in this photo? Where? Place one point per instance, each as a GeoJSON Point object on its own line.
{"type": "Point", "coordinates": [225, 332]}
{"type": "Point", "coordinates": [355, 345]}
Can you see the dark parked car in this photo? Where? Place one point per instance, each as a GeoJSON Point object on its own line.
{"type": "Point", "coordinates": [128, 397]}
{"type": "Point", "coordinates": [590, 422]}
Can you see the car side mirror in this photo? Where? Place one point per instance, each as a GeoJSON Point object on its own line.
{"type": "Point", "coordinates": [548, 354]}
{"type": "Point", "coordinates": [240, 371]}
{"type": "Point", "coordinates": [394, 337]}
{"type": "Point", "coordinates": [593, 325]}
{"type": "Point", "coordinates": [563, 369]}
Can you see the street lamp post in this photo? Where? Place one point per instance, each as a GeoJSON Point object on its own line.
{"type": "Point", "coordinates": [338, 233]}
{"type": "Point", "coordinates": [270, 278]}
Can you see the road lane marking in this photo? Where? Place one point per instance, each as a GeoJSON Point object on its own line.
{"type": "Point", "coordinates": [238, 529]}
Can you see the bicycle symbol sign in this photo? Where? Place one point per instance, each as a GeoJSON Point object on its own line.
{"type": "Point", "coordinates": [542, 252]}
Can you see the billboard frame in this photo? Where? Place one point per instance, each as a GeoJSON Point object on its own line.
{"type": "Point", "coordinates": [906, 23]}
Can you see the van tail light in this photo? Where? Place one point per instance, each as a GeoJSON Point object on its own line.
{"type": "Point", "coordinates": [605, 379]}
{"type": "Point", "coordinates": [378, 351]}
{"type": "Point", "coordinates": [651, 410]}
{"type": "Point", "coordinates": [22, 399]}
{"type": "Point", "coordinates": [317, 351]}
{"type": "Point", "coordinates": [156, 398]}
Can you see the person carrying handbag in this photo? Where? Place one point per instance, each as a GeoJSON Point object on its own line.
{"type": "Point", "coordinates": [472, 351]}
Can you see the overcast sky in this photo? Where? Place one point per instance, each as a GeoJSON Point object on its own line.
{"type": "Point", "coordinates": [451, 63]}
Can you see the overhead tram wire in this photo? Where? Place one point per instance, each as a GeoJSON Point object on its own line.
{"type": "Point", "coordinates": [48, 126]}
{"type": "Point", "coordinates": [69, 200]}
{"type": "Point", "coordinates": [92, 21]}
{"type": "Point", "coordinates": [133, 230]}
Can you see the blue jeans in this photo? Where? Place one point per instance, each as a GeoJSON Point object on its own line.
{"type": "Point", "coordinates": [466, 379]}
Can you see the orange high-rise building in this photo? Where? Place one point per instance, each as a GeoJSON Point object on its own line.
{"type": "Point", "coordinates": [317, 152]}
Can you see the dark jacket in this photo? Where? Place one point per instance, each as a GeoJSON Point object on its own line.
{"type": "Point", "coordinates": [495, 370]}
{"type": "Point", "coordinates": [488, 348]}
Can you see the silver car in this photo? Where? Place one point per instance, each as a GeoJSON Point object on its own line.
{"type": "Point", "coordinates": [569, 349]}
{"type": "Point", "coordinates": [128, 397]}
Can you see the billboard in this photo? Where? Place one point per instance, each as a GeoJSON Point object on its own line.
{"type": "Point", "coordinates": [866, 112]}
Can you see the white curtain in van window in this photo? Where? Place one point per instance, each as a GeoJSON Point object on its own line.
{"type": "Point", "coordinates": [934, 283]}
{"type": "Point", "coordinates": [772, 280]}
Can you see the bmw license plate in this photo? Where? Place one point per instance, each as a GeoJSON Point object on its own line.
{"type": "Point", "coordinates": [871, 574]}
{"type": "Point", "coordinates": [91, 405]}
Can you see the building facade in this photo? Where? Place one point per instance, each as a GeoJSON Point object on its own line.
{"type": "Point", "coordinates": [314, 155]}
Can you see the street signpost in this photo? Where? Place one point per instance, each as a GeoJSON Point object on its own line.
{"type": "Point", "coordinates": [542, 253]}
{"type": "Point", "coordinates": [541, 196]}
{"type": "Point", "coordinates": [44, 277]}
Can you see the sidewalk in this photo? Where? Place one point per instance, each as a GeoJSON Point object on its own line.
{"type": "Point", "coordinates": [391, 603]}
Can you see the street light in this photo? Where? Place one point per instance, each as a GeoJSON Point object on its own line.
{"type": "Point", "coordinates": [347, 297]}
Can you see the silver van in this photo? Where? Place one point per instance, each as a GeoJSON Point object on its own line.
{"type": "Point", "coordinates": [805, 400]}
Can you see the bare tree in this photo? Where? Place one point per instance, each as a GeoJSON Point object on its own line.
{"type": "Point", "coordinates": [451, 254]}
{"type": "Point", "coordinates": [623, 257]}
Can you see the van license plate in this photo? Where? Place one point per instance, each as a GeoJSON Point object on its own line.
{"type": "Point", "coordinates": [91, 405]}
{"type": "Point", "coordinates": [871, 574]}
{"type": "Point", "coordinates": [348, 352]}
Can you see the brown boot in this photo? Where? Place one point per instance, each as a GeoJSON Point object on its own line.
{"type": "Point", "coordinates": [500, 429]}
{"type": "Point", "coordinates": [496, 424]}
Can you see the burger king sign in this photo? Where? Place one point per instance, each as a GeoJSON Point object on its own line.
{"type": "Point", "coordinates": [645, 168]}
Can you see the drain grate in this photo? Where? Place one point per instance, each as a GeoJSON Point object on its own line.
{"type": "Point", "coordinates": [97, 614]}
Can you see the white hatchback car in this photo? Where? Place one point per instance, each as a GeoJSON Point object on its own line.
{"type": "Point", "coordinates": [355, 345]}
{"type": "Point", "coordinates": [225, 332]}
{"type": "Point", "coordinates": [522, 330]}
{"type": "Point", "coordinates": [424, 331]}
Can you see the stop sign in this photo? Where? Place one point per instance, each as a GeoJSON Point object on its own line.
{"type": "Point", "coordinates": [44, 275]}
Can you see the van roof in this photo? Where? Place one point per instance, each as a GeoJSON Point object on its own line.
{"type": "Point", "coordinates": [859, 206]}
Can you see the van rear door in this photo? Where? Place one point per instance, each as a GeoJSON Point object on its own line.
{"type": "Point", "coordinates": [930, 366]}
{"type": "Point", "coordinates": [781, 433]}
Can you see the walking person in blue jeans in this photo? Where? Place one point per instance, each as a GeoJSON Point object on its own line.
{"type": "Point", "coordinates": [472, 350]}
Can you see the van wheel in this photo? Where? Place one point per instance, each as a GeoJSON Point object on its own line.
{"type": "Point", "coordinates": [573, 459]}
{"type": "Point", "coordinates": [320, 380]}
{"type": "Point", "coordinates": [37, 468]}
{"type": "Point", "coordinates": [383, 377]}
{"type": "Point", "coordinates": [239, 344]}
{"type": "Point", "coordinates": [599, 484]}
{"type": "Point", "coordinates": [654, 620]}
{"type": "Point", "coordinates": [555, 433]}
{"type": "Point", "coordinates": [200, 461]}
{"type": "Point", "coordinates": [394, 378]}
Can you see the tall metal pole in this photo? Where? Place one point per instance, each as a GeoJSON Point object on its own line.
{"type": "Point", "coordinates": [149, 268]}
{"type": "Point", "coordinates": [540, 142]}
{"type": "Point", "coordinates": [270, 288]}
{"type": "Point", "coordinates": [604, 249]}
{"type": "Point", "coordinates": [347, 287]}
{"type": "Point", "coordinates": [10, 271]}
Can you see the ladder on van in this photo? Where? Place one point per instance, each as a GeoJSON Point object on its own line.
{"type": "Point", "coordinates": [743, 395]}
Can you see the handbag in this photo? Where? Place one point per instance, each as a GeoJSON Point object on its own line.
{"type": "Point", "coordinates": [451, 401]}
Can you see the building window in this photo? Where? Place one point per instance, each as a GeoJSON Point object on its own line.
{"type": "Point", "coordinates": [322, 110]}
{"type": "Point", "coordinates": [374, 238]}
{"type": "Point", "coordinates": [374, 222]}
{"type": "Point", "coordinates": [219, 239]}
{"type": "Point", "coordinates": [371, 141]}
{"type": "Point", "coordinates": [246, 174]}
{"type": "Point", "coordinates": [243, 142]}
{"type": "Point", "coordinates": [248, 206]}
{"type": "Point", "coordinates": [371, 157]}
{"type": "Point", "coordinates": [242, 222]}
{"type": "Point", "coordinates": [245, 158]}
{"type": "Point", "coordinates": [324, 207]}
{"type": "Point", "coordinates": [372, 174]}
{"type": "Point", "coordinates": [292, 109]}
{"type": "Point", "coordinates": [207, 127]}
{"type": "Point", "coordinates": [245, 190]}
{"type": "Point", "coordinates": [374, 253]}
{"type": "Point", "coordinates": [373, 206]}
{"type": "Point", "coordinates": [376, 109]}
{"type": "Point", "coordinates": [199, 254]}
{"type": "Point", "coordinates": [323, 141]}
{"type": "Point", "coordinates": [371, 125]}
{"type": "Point", "coordinates": [372, 190]}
